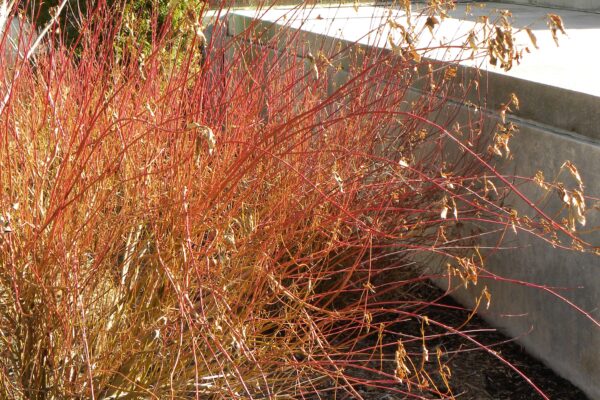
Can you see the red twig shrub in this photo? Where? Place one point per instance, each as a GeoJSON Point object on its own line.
{"type": "Point", "coordinates": [215, 219]}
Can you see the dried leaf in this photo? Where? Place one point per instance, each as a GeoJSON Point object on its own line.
{"type": "Point", "coordinates": [402, 371]}
{"type": "Point", "coordinates": [431, 23]}
{"type": "Point", "coordinates": [488, 297]}
{"type": "Point", "coordinates": [540, 180]}
{"type": "Point", "coordinates": [556, 21]}
{"type": "Point", "coordinates": [495, 150]}
{"type": "Point", "coordinates": [455, 209]}
{"type": "Point", "coordinates": [339, 181]}
{"type": "Point", "coordinates": [206, 133]}
{"type": "Point", "coordinates": [514, 219]}
{"type": "Point", "coordinates": [532, 37]}
{"type": "Point", "coordinates": [450, 73]}
{"type": "Point", "coordinates": [471, 40]}
{"type": "Point", "coordinates": [490, 185]}
{"type": "Point", "coordinates": [444, 212]}
{"type": "Point", "coordinates": [396, 49]}
{"type": "Point", "coordinates": [574, 172]}
{"type": "Point", "coordinates": [555, 24]}
{"type": "Point", "coordinates": [229, 237]}
{"type": "Point", "coordinates": [415, 55]}
{"type": "Point", "coordinates": [514, 100]}
{"type": "Point", "coordinates": [502, 112]}
{"type": "Point", "coordinates": [313, 64]}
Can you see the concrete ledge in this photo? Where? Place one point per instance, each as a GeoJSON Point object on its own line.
{"type": "Point", "coordinates": [550, 105]}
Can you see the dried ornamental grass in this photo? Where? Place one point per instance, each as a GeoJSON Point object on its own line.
{"type": "Point", "coordinates": [177, 228]}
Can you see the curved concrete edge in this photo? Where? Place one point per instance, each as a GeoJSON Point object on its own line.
{"type": "Point", "coordinates": [553, 106]}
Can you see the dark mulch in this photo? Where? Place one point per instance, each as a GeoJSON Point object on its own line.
{"type": "Point", "coordinates": [476, 374]}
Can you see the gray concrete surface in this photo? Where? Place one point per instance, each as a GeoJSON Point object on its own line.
{"type": "Point", "coordinates": [548, 327]}
{"type": "Point", "coordinates": [559, 120]}
{"type": "Point", "coordinates": [18, 36]}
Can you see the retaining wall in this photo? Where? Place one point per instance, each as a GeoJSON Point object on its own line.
{"type": "Point", "coordinates": [553, 321]}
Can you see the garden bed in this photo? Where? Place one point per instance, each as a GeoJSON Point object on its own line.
{"type": "Point", "coordinates": [475, 373]}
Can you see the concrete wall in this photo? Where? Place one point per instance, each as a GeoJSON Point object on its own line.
{"type": "Point", "coordinates": [18, 36]}
{"type": "Point", "coordinates": [548, 326]}
{"type": "Point", "coordinates": [555, 325]}
{"type": "Point", "coordinates": [554, 315]}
